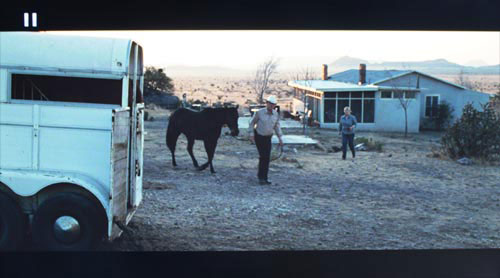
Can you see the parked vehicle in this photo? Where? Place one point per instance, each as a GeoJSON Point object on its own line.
{"type": "Point", "coordinates": [71, 138]}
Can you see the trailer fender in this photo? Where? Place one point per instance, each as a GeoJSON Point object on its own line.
{"type": "Point", "coordinates": [27, 183]}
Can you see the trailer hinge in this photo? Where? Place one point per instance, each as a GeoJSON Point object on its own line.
{"type": "Point", "coordinates": [137, 168]}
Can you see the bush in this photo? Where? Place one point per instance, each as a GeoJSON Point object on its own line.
{"type": "Point", "coordinates": [475, 135]}
{"type": "Point", "coordinates": [370, 144]}
{"type": "Point", "coordinates": [443, 117]}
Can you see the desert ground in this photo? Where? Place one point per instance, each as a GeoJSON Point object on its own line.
{"type": "Point", "coordinates": [483, 83]}
{"type": "Point", "coordinates": [235, 89]}
{"type": "Point", "coordinates": [399, 198]}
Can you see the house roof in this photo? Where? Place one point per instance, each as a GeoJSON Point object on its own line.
{"type": "Point", "coordinates": [330, 86]}
{"type": "Point", "coordinates": [375, 77]}
{"type": "Point", "coordinates": [372, 76]}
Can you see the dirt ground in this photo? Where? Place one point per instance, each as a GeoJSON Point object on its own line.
{"type": "Point", "coordinates": [396, 199]}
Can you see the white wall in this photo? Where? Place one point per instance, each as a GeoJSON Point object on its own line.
{"type": "Point", "coordinates": [456, 97]}
{"type": "Point", "coordinates": [56, 138]}
{"type": "Point", "coordinates": [390, 116]}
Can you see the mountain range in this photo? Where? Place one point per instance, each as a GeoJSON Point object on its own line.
{"type": "Point", "coordinates": [295, 64]}
{"type": "Point", "coordinates": [437, 66]}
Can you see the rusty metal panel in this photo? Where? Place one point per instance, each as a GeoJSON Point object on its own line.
{"type": "Point", "coordinates": [119, 163]}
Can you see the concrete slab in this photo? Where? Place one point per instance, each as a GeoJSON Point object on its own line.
{"type": "Point", "coordinates": [294, 139]}
{"type": "Point", "coordinates": [243, 122]}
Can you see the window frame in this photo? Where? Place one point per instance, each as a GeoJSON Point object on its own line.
{"type": "Point", "coordinates": [425, 104]}
{"type": "Point", "coordinates": [362, 98]}
{"type": "Point", "coordinates": [382, 92]}
{"type": "Point", "coordinates": [105, 76]}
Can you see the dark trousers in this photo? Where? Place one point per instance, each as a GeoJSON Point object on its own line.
{"type": "Point", "coordinates": [263, 144]}
{"type": "Point", "coordinates": [348, 138]}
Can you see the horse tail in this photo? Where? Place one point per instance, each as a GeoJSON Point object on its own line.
{"type": "Point", "coordinates": [173, 133]}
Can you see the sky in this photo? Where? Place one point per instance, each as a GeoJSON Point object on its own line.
{"type": "Point", "coordinates": [247, 49]}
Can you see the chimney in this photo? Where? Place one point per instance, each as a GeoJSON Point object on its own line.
{"type": "Point", "coordinates": [362, 74]}
{"type": "Point", "coordinates": [325, 72]}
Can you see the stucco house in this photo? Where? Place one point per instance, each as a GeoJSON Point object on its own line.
{"type": "Point", "coordinates": [375, 98]}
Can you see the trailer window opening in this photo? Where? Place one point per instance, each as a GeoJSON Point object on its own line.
{"type": "Point", "coordinates": [66, 89]}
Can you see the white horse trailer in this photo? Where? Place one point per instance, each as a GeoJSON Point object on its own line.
{"type": "Point", "coordinates": [71, 138]}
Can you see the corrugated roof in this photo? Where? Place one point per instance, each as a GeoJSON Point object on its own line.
{"type": "Point", "coordinates": [372, 76]}
{"type": "Point", "coordinates": [375, 77]}
{"type": "Point", "coordinates": [329, 85]}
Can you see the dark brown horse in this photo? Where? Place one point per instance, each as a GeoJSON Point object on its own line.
{"type": "Point", "coordinates": [205, 125]}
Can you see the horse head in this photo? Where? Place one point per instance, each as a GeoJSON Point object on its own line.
{"type": "Point", "coordinates": [231, 119]}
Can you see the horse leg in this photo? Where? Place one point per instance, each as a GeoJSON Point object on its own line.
{"type": "Point", "coordinates": [211, 156]}
{"type": "Point", "coordinates": [204, 165]}
{"type": "Point", "coordinates": [190, 151]}
{"type": "Point", "coordinates": [210, 149]}
{"type": "Point", "coordinates": [172, 136]}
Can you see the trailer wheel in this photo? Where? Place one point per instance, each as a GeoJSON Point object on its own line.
{"type": "Point", "coordinates": [12, 225]}
{"type": "Point", "coordinates": [66, 222]}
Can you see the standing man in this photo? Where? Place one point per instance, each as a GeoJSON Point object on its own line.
{"type": "Point", "coordinates": [347, 124]}
{"type": "Point", "coordinates": [184, 100]}
{"type": "Point", "coordinates": [264, 123]}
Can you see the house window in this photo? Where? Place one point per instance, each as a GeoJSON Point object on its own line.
{"type": "Point", "coordinates": [368, 111]}
{"type": "Point", "coordinates": [356, 109]}
{"type": "Point", "coordinates": [343, 94]}
{"type": "Point", "coordinates": [410, 94]}
{"type": "Point", "coordinates": [369, 94]}
{"type": "Point", "coordinates": [399, 95]}
{"type": "Point", "coordinates": [431, 106]}
{"type": "Point", "coordinates": [356, 94]}
{"type": "Point", "coordinates": [66, 89]}
{"type": "Point", "coordinates": [341, 105]}
{"type": "Point", "coordinates": [330, 94]}
{"type": "Point", "coordinates": [329, 114]}
{"type": "Point", "coordinates": [362, 106]}
{"type": "Point", "coordinates": [386, 94]}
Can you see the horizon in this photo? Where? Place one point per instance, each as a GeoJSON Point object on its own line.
{"type": "Point", "coordinates": [245, 50]}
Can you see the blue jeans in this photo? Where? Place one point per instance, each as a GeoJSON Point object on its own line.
{"type": "Point", "coordinates": [348, 138]}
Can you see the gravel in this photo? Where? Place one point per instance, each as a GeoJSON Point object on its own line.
{"type": "Point", "coordinates": [317, 201]}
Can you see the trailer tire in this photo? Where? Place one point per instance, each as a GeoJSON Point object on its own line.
{"type": "Point", "coordinates": [66, 222]}
{"type": "Point", "coordinates": [12, 224]}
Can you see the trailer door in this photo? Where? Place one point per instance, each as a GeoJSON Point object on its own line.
{"type": "Point", "coordinates": [136, 81]}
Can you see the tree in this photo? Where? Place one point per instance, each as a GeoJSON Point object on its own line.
{"type": "Point", "coordinates": [262, 77]}
{"type": "Point", "coordinates": [405, 96]}
{"type": "Point", "coordinates": [404, 103]}
{"type": "Point", "coordinates": [464, 81]}
{"type": "Point", "coordinates": [306, 75]}
{"type": "Point", "coordinates": [156, 79]}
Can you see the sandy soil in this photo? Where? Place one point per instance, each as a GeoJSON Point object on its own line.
{"type": "Point", "coordinates": [396, 199]}
{"type": "Point", "coordinates": [483, 83]}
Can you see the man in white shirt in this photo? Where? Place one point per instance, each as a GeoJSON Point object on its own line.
{"type": "Point", "coordinates": [264, 123]}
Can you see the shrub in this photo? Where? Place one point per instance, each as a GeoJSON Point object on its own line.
{"type": "Point", "coordinates": [370, 144]}
{"type": "Point", "coordinates": [443, 116]}
{"type": "Point", "coordinates": [476, 134]}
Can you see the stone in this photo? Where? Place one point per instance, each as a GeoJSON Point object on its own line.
{"type": "Point", "coordinates": [360, 147]}
{"type": "Point", "coordinates": [464, 161]}
{"type": "Point", "coordinates": [336, 149]}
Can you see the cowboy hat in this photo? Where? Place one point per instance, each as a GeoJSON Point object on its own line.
{"type": "Point", "coordinates": [272, 99]}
